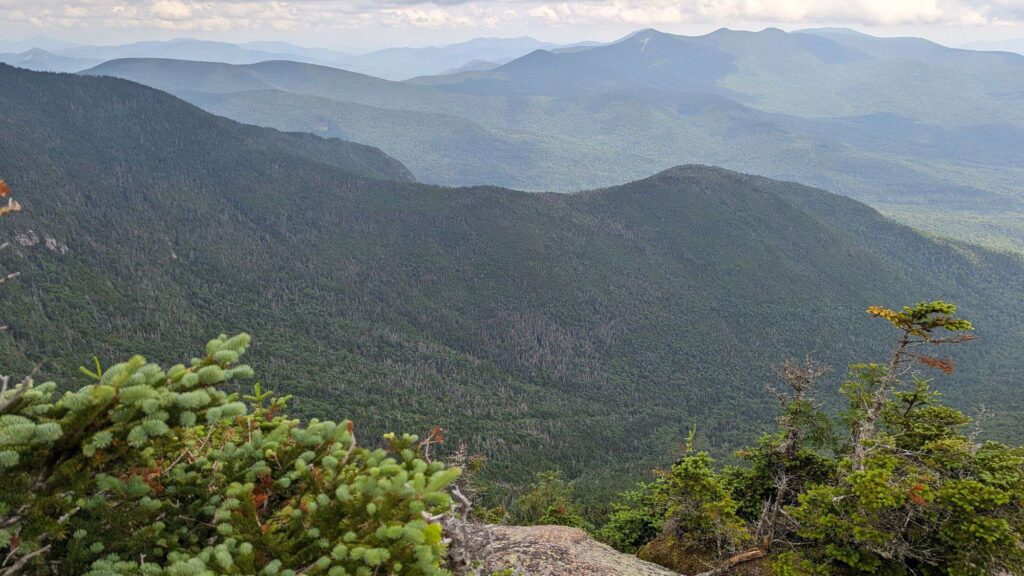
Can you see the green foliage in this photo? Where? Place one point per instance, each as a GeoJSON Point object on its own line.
{"type": "Point", "coordinates": [635, 519]}
{"type": "Point", "coordinates": [161, 472]}
{"type": "Point", "coordinates": [910, 492]}
{"type": "Point", "coordinates": [756, 481]}
{"type": "Point", "coordinates": [549, 500]}
{"type": "Point", "coordinates": [924, 318]}
{"type": "Point", "coordinates": [699, 508]}
{"type": "Point", "coordinates": [928, 500]}
{"type": "Point", "coordinates": [691, 502]}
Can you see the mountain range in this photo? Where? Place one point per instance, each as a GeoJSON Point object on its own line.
{"type": "Point", "coordinates": [44, 61]}
{"type": "Point", "coordinates": [612, 320]}
{"type": "Point", "coordinates": [38, 41]}
{"type": "Point", "coordinates": [1012, 45]}
{"type": "Point", "coordinates": [930, 135]}
{"type": "Point", "coordinates": [45, 54]}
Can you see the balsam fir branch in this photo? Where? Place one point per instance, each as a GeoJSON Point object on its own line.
{"type": "Point", "coordinates": [161, 472]}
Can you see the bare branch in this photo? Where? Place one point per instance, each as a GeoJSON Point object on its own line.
{"type": "Point", "coordinates": [20, 389]}
{"type": "Point", "coordinates": [17, 566]}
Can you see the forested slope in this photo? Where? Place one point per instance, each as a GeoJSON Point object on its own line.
{"type": "Point", "coordinates": [587, 332]}
{"type": "Point", "coordinates": [605, 115]}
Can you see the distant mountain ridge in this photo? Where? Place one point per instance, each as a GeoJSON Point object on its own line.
{"type": "Point", "coordinates": [818, 73]}
{"type": "Point", "coordinates": [43, 61]}
{"type": "Point", "coordinates": [1013, 45]}
{"type": "Point", "coordinates": [391, 63]}
{"type": "Point", "coordinates": [182, 49]}
{"type": "Point", "coordinates": [403, 63]}
{"type": "Point", "coordinates": [38, 42]}
{"type": "Point", "coordinates": [932, 135]}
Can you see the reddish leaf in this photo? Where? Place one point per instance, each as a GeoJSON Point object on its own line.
{"type": "Point", "coordinates": [944, 364]}
{"type": "Point", "coordinates": [915, 494]}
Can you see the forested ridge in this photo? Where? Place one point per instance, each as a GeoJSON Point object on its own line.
{"type": "Point", "coordinates": [929, 135]}
{"type": "Point", "coordinates": [584, 332]}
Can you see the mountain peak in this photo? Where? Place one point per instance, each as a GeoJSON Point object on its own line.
{"type": "Point", "coordinates": [538, 55]}
{"type": "Point", "coordinates": [832, 30]}
{"type": "Point", "coordinates": [642, 34]}
{"type": "Point", "coordinates": [687, 171]}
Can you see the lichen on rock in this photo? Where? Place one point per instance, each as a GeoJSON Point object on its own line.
{"type": "Point", "coordinates": [558, 551]}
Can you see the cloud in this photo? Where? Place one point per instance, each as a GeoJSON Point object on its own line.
{"type": "Point", "coordinates": [171, 10]}
{"type": "Point", "coordinates": [869, 12]}
{"type": "Point", "coordinates": [297, 15]}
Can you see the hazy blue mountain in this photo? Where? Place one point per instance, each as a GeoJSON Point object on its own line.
{"type": "Point", "coordinates": [817, 73]}
{"type": "Point", "coordinates": [400, 63]}
{"type": "Point", "coordinates": [313, 53]}
{"type": "Point", "coordinates": [323, 81]}
{"type": "Point", "coordinates": [613, 319]}
{"type": "Point", "coordinates": [532, 143]}
{"type": "Point", "coordinates": [647, 59]}
{"type": "Point", "coordinates": [1013, 45]}
{"type": "Point", "coordinates": [403, 63]}
{"type": "Point", "coordinates": [42, 42]}
{"type": "Point", "coordinates": [43, 61]}
{"type": "Point", "coordinates": [439, 148]}
{"type": "Point", "coordinates": [181, 48]}
{"type": "Point", "coordinates": [929, 134]}
{"type": "Point", "coordinates": [474, 66]}
{"type": "Point", "coordinates": [390, 63]}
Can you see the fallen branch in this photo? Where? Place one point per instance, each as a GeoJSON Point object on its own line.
{"type": "Point", "coordinates": [741, 558]}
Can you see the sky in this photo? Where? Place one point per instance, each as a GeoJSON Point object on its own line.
{"type": "Point", "coordinates": [364, 25]}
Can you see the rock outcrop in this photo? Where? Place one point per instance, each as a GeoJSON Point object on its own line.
{"type": "Point", "coordinates": [558, 551]}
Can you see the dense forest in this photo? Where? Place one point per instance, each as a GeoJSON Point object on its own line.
{"type": "Point", "coordinates": [611, 320]}
{"type": "Point", "coordinates": [162, 472]}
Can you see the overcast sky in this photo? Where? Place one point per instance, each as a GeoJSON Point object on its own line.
{"type": "Point", "coordinates": [361, 25]}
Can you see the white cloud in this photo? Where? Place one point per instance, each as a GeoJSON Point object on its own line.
{"type": "Point", "coordinates": [171, 10]}
{"type": "Point", "coordinates": [395, 16]}
{"type": "Point", "coordinates": [871, 12]}
{"type": "Point", "coordinates": [428, 17]}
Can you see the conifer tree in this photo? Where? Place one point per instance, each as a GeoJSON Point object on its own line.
{"type": "Point", "coordinates": [908, 492]}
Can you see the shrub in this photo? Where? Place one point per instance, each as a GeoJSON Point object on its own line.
{"type": "Point", "coordinates": [161, 472]}
{"type": "Point", "coordinates": [907, 492]}
{"type": "Point", "coordinates": [636, 519]}
{"type": "Point", "coordinates": [549, 500]}
{"type": "Point", "coordinates": [691, 504]}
